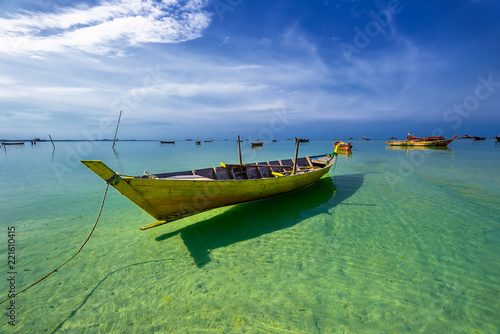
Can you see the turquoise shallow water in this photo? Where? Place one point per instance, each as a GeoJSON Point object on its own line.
{"type": "Point", "coordinates": [393, 241]}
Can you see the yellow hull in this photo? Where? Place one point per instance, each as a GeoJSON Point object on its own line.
{"type": "Point", "coordinates": [168, 197]}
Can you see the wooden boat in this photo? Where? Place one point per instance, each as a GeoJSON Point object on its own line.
{"type": "Point", "coordinates": [171, 196]}
{"type": "Point", "coordinates": [498, 138]}
{"type": "Point", "coordinates": [430, 142]}
{"type": "Point", "coordinates": [12, 143]}
{"type": "Point", "coordinates": [479, 138]}
{"type": "Point", "coordinates": [259, 144]}
{"type": "Point", "coordinates": [198, 142]}
{"type": "Point", "coordinates": [343, 146]}
{"type": "Point", "coordinates": [167, 142]}
{"type": "Point", "coordinates": [424, 138]}
{"type": "Point", "coordinates": [304, 140]}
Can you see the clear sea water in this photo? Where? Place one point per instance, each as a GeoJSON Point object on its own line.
{"type": "Point", "coordinates": [393, 241]}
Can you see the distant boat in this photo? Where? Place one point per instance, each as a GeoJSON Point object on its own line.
{"type": "Point", "coordinates": [343, 146]}
{"type": "Point", "coordinates": [304, 140]}
{"type": "Point", "coordinates": [426, 141]}
{"type": "Point", "coordinates": [478, 138]}
{"type": "Point", "coordinates": [167, 142]}
{"type": "Point", "coordinates": [12, 143]}
{"type": "Point", "coordinates": [171, 196]}
{"type": "Point", "coordinates": [364, 138]}
{"type": "Point", "coordinates": [393, 138]}
{"type": "Point", "coordinates": [498, 138]}
{"type": "Point", "coordinates": [466, 137]}
{"type": "Point", "coordinates": [189, 140]}
{"type": "Point", "coordinates": [275, 140]}
{"type": "Point", "coordinates": [259, 144]}
{"type": "Point", "coordinates": [198, 142]}
{"type": "Point", "coordinates": [209, 141]}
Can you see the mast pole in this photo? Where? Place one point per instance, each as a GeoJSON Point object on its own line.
{"type": "Point", "coordinates": [296, 155]}
{"type": "Point", "coordinates": [239, 150]}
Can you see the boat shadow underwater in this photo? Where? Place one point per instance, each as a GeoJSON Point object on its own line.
{"type": "Point", "coordinates": [250, 220]}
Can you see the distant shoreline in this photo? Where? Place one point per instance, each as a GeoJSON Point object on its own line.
{"type": "Point", "coordinates": [177, 140]}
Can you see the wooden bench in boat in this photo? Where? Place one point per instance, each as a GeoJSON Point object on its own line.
{"type": "Point", "coordinates": [260, 170]}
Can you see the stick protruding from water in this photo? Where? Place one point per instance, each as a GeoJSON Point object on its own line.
{"type": "Point", "coordinates": [116, 132]}
{"type": "Point", "coordinates": [52, 142]}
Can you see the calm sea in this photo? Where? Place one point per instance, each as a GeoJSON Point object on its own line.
{"type": "Point", "coordinates": [393, 241]}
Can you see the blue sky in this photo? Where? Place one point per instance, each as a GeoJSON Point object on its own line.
{"type": "Point", "coordinates": [262, 69]}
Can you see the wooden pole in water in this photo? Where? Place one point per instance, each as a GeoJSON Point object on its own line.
{"type": "Point", "coordinates": [296, 155]}
{"type": "Point", "coordinates": [116, 132]}
{"type": "Point", "coordinates": [52, 142]}
{"type": "Point", "coordinates": [239, 150]}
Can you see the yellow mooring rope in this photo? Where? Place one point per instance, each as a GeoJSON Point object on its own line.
{"type": "Point", "coordinates": [71, 258]}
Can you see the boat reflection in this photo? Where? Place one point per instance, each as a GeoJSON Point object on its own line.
{"type": "Point", "coordinates": [418, 148]}
{"type": "Point", "coordinates": [346, 153]}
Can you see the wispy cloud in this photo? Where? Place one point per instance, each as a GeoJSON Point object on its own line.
{"type": "Point", "coordinates": [107, 28]}
{"type": "Point", "coordinates": [226, 41]}
{"type": "Point", "coordinates": [199, 89]}
{"type": "Point", "coordinates": [21, 91]}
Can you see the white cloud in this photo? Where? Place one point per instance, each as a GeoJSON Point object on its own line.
{"type": "Point", "coordinates": [13, 90]}
{"type": "Point", "coordinates": [107, 28]}
{"type": "Point", "coordinates": [199, 89]}
{"type": "Point", "coordinates": [7, 81]}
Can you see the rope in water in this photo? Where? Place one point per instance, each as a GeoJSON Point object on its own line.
{"type": "Point", "coordinates": [334, 155]}
{"type": "Point", "coordinates": [335, 163]}
{"type": "Point", "coordinates": [71, 258]}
